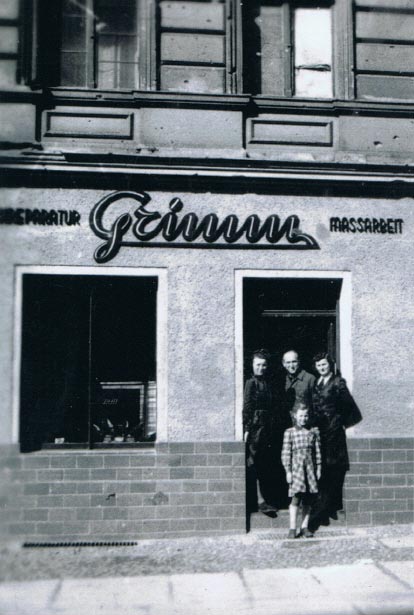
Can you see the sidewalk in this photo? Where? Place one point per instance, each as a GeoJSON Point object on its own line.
{"type": "Point", "coordinates": [339, 572]}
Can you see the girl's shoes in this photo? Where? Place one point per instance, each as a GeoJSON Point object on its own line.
{"type": "Point", "coordinates": [306, 533]}
{"type": "Point", "coordinates": [292, 534]}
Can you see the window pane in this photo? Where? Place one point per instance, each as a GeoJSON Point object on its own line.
{"type": "Point", "coordinates": [54, 373]}
{"type": "Point", "coordinates": [123, 363]}
{"type": "Point", "coordinates": [88, 359]}
{"type": "Point", "coordinates": [73, 32]}
{"type": "Point", "coordinates": [116, 17]}
{"type": "Point", "coordinates": [73, 56]}
{"type": "Point", "coordinates": [313, 52]}
{"type": "Point", "coordinates": [117, 45]}
{"type": "Point", "coordinates": [73, 71]}
{"type": "Point", "coordinates": [112, 75]}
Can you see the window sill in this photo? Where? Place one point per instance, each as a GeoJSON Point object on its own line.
{"type": "Point", "coordinates": [98, 445]}
{"type": "Point", "coordinates": [181, 100]}
{"type": "Point", "coordinates": [226, 101]}
{"type": "Point", "coordinates": [149, 98]}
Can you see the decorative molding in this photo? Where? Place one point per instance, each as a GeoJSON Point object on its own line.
{"type": "Point", "coordinates": [30, 165]}
{"type": "Point", "coordinates": [289, 132]}
{"type": "Point", "coordinates": [89, 125]}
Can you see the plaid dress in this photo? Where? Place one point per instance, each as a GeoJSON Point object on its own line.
{"type": "Point", "coordinates": [301, 455]}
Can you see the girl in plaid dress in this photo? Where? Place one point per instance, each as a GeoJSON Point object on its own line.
{"type": "Point", "coordinates": [301, 458]}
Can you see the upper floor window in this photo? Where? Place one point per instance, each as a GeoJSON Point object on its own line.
{"type": "Point", "coordinates": [288, 49]}
{"type": "Point", "coordinates": [99, 44]}
{"type": "Point", "coordinates": [312, 52]}
{"type": "Point", "coordinates": [319, 49]}
{"type": "Point", "coordinates": [92, 44]}
{"type": "Point", "coordinates": [177, 45]}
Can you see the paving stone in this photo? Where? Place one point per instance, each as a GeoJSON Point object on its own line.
{"type": "Point", "coordinates": [403, 570]}
{"type": "Point", "coordinates": [395, 542]}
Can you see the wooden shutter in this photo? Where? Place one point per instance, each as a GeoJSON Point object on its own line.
{"type": "Point", "coordinates": [268, 48]}
{"type": "Point", "coordinates": [384, 35]}
{"type": "Point", "coordinates": [195, 53]}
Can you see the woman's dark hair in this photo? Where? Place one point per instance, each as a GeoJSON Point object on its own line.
{"type": "Point", "coordinates": [261, 354]}
{"type": "Point", "coordinates": [324, 355]}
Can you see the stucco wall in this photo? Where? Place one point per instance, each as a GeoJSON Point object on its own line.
{"type": "Point", "coordinates": [201, 299]}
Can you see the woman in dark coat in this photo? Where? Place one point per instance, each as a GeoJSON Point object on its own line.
{"type": "Point", "coordinates": [334, 409]}
{"type": "Point", "coordinates": [258, 417]}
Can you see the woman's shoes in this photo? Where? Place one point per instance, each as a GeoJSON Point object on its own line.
{"type": "Point", "coordinates": [263, 507]}
{"type": "Point", "coordinates": [292, 534]}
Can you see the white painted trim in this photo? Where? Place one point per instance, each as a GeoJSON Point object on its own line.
{"type": "Point", "coordinates": [161, 333]}
{"type": "Point", "coordinates": [345, 324]}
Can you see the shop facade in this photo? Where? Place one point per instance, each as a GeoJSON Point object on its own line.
{"type": "Point", "coordinates": [155, 235]}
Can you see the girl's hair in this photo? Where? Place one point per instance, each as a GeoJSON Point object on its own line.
{"type": "Point", "coordinates": [324, 355]}
{"type": "Point", "coordinates": [261, 354]}
{"type": "Point", "coordinates": [299, 405]}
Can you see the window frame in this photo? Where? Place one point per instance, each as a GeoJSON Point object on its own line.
{"type": "Point", "coordinates": [33, 71]}
{"type": "Point", "coordinates": [161, 350]}
{"type": "Point", "coordinates": [342, 50]}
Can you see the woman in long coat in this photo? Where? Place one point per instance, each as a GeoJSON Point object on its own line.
{"type": "Point", "coordinates": [258, 421]}
{"type": "Point", "coordinates": [334, 409]}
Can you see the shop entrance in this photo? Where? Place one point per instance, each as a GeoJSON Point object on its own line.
{"type": "Point", "coordinates": [281, 314]}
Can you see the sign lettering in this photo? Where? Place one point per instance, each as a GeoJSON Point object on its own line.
{"type": "Point", "coordinates": [189, 230]}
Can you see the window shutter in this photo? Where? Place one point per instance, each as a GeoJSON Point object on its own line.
{"type": "Point", "coordinates": [268, 48]}
{"type": "Point", "coordinates": [43, 43]}
{"type": "Point", "coordinates": [384, 49]}
{"type": "Point", "coordinates": [194, 46]}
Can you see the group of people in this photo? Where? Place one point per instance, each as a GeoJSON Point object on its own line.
{"type": "Point", "coordinates": [295, 438]}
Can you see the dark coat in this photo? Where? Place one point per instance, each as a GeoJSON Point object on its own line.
{"type": "Point", "coordinates": [258, 409]}
{"type": "Point", "coordinates": [334, 409]}
{"type": "Point", "coordinates": [298, 389]}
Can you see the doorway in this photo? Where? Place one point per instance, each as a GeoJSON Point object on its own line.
{"type": "Point", "coordinates": [289, 313]}
{"type": "Point", "coordinates": [308, 311]}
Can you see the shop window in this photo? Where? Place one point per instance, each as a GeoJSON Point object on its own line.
{"type": "Point", "coordinates": [88, 361]}
{"type": "Point", "coordinates": [384, 49]}
{"type": "Point", "coordinates": [133, 44]}
{"type": "Point", "coordinates": [288, 49]}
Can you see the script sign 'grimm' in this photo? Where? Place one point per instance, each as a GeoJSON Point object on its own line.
{"type": "Point", "coordinates": [180, 230]}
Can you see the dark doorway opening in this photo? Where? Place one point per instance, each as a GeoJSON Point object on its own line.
{"type": "Point", "coordinates": [281, 314]}
{"type": "Point", "coordinates": [88, 367]}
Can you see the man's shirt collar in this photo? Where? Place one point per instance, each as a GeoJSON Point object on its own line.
{"type": "Point", "coordinates": [298, 376]}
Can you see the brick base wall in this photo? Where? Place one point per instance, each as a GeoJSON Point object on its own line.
{"type": "Point", "coordinates": [379, 487]}
{"type": "Point", "coordinates": [175, 489]}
